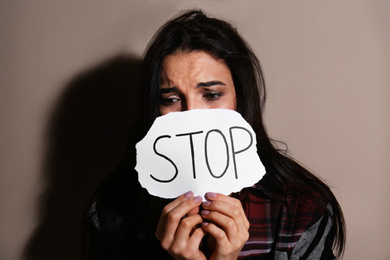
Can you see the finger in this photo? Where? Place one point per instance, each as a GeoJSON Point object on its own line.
{"type": "Point", "coordinates": [193, 211]}
{"type": "Point", "coordinates": [178, 201]}
{"type": "Point", "coordinates": [169, 226]}
{"type": "Point", "coordinates": [188, 248]}
{"type": "Point", "coordinates": [232, 213]}
{"type": "Point", "coordinates": [226, 224]}
{"type": "Point", "coordinates": [217, 233]}
{"type": "Point", "coordinates": [195, 240]}
{"type": "Point", "coordinates": [230, 207]}
{"type": "Point", "coordinates": [224, 244]}
{"type": "Point", "coordinates": [168, 208]}
{"type": "Point", "coordinates": [230, 201]}
{"type": "Point", "coordinates": [186, 226]}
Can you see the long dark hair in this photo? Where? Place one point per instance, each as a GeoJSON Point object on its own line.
{"type": "Point", "coordinates": [194, 31]}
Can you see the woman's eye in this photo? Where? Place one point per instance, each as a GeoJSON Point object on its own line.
{"type": "Point", "coordinates": [212, 96]}
{"type": "Point", "coordinates": [168, 101]}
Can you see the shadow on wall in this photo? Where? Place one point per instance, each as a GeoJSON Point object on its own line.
{"type": "Point", "coordinates": [87, 137]}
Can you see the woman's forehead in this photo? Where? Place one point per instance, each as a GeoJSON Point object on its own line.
{"type": "Point", "coordinates": [193, 65]}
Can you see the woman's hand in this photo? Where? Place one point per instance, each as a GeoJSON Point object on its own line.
{"type": "Point", "coordinates": [177, 229]}
{"type": "Point", "coordinates": [226, 223]}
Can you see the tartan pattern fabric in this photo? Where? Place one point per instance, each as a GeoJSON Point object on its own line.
{"type": "Point", "coordinates": [276, 224]}
{"type": "Point", "coordinates": [280, 229]}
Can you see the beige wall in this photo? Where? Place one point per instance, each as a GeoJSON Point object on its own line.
{"type": "Point", "coordinates": [327, 67]}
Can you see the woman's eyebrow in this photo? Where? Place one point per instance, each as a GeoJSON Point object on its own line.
{"type": "Point", "coordinates": [209, 84]}
{"type": "Point", "coordinates": [168, 90]}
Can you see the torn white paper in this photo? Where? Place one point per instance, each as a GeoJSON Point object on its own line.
{"type": "Point", "coordinates": [204, 150]}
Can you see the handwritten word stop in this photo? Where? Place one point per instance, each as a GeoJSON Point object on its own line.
{"type": "Point", "coordinates": [199, 150]}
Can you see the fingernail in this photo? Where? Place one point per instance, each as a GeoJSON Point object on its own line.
{"type": "Point", "coordinates": [197, 199]}
{"type": "Point", "coordinates": [205, 224]}
{"type": "Point", "coordinates": [205, 212]}
{"type": "Point", "coordinates": [188, 194]}
{"type": "Point", "coordinates": [211, 195]}
{"type": "Point", "coordinates": [206, 203]}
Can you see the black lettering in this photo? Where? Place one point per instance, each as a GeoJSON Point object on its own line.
{"type": "Point", "coordinates": [227, 152]}
{"type": "Point", "coordinates": [165, 157]}
{"type": "Point", "coordinates": [192, 150]}
{"type": "Point", "coordinates": [240, 151]}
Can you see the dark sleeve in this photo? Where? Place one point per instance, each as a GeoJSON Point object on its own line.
{"type": "Point", "coordinates": [315, 242]}
{"type": "Point", "coordinates": [122, 238]}
{"type": "Point", "coordinates": [97, 247]}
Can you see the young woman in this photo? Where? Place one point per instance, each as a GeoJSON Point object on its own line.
{"type": "Point", "coordinates": [196, 62]}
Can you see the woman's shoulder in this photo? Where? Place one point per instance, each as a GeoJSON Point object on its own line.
{"type": "Point", "coordinates": [280, 220]}
{"type": "Point", "coordinates": [281, 198]}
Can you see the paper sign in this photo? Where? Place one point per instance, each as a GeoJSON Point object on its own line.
{"type": "Point", "coordinates": [204, 150]}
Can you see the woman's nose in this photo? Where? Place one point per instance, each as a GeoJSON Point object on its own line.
{"type": "Point", "coordinates": [192, 103]}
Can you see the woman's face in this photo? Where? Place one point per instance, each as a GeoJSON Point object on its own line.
{"type": "Point", "coordinates": [195, 80]}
